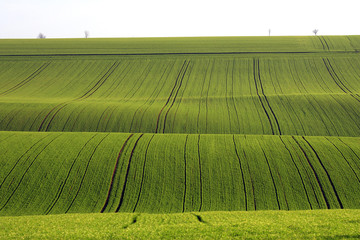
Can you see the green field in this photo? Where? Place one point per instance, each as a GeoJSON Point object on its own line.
{"type": "Point", "coordinates": [317, 224]}
{"type": "Point", "coordinates": [177, 125]}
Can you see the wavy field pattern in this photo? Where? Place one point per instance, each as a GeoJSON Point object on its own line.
{"type": "Point", "coordinates": [179, 125]}
{"type": "Point", "coordinates": [117, 172]}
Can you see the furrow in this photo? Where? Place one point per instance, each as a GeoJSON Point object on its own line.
{"type": "Point", "coordinates": [77, 118]}
{"type": "Point", "coordinates": [298, 171]}
{"type": "Point", "coordinates": [251, 179]}
{"type": "Point", "coordinates": [109, 118]}
{"type": "Point", "coordinates": [174, 98]}
{"type": "Point", "coordinates": [148, 99]}
{"type": "Point", "coordinates": [143, 173]}
{"type": "Point", "coordinates": [358, 157]}
{"type": "Point", "coordinates": [101, 117]}
{"type": "Point", "coordinates": [336, 76]}
{"type": "Point", "coordinates": [266, 100]}
{"type": "Point", "coordinates": [27, 80]}
{"type": "Point", "coordinates": [62, 185]}
{"type": "Point", "coordinates": [200, 98]}
{"type": "Point", "coordinates": [53, 116]}
{"type": "Point", "coordinates": [322, 43]}
{"type": "Point", "coordinates": [139, 86]}
{"type": "Point", "coordinates": [18, 160]}
{"type": "Point", "coordinates": [11, 119]}
{"type": "Point", "coordinates": [168, 100]}
{"type": "Point", "coordinates": [180, 100]}
{"type": "Point", "coordinates": [26, 171]}
{"type": "Point", "coordinates": [35, 119]}
{"type": "Point", "coordinates": [114, 174]}
{"type": "Point", "coordinates": [140, 80]}
{"type": "Point", "coordinates": [226, 94]}
{"type": "Point", "coordinates": [242, 172]}
{"type": "Point", "coordinates": [125, 71]}
{"type": "Point", "coordinates": [127, 174]}
{"type": "Point", "coordinates": [260, 99]}
{"type": "Point", "coordinates": [327, 173]}
{"type": "Point", "coordinates": [344, 158]}
{"type": "Point", "coordinates": [61, 105]}
{"type": "Point", "coordinates": [86, 168]}
{"type": "Point", "coordinates": [315, 173]}
{"type": "Point", "coordinates": [159, 90]}
{"type": "Point", "coordinates": [232, 94]}
{"type": "Point", "coordinates": [68, 119]}
{"type": "Point", "coordinates": [207, 97]}
{"type": "Point", "coordinates": [200, 178]}
{"type": "Point", "coordinates": [100, 82]}
{"type": "Point", "coordinates": [184, 198]}
{"type": "Point", "coordinates": [326, 44]}
{"type": "Point", "coordinates": [332, 74]}
{"type": "Point", "coordinates": [272, 178]}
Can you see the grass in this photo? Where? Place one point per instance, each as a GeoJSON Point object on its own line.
{"type": "Point", "coordinates": [329, 224]}
{"type": "Point", "coordinates": [194, 45]}
{"type": "Point", "coordinates": [52, 173]}
{"type": "Point", "coordinates": [192, 130]}
{"type": "Point", "coordinates": [311, 96]}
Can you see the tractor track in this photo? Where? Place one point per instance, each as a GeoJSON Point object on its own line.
{"type": "Point", "coordinates": [298, 171]}
{"type": "Point", "coordinates": [114, 173]}
{"type": "Point", "coordinates": [257, 80]}
{"type": "Point", "coordinates": [327, 173]}
{"type": "Point", "coordinates": [170, 96]}
{"type": "Point", "coordinates": [87, 94]}
{"type": "Point", "coordinates": [143, 173]}
{"type": "Point", "coordinates": [314, 172]}
{"type": "Point", "coordinates": [343, 158]}
{"type": "Point", "coordinates": [26, 80]}
{"type": "Point", "coordinates": [184, 198]}
{"type": "Point", "coordinates": [127, 174]}
{"type": "Point", "coordinates": [26, 171]}
{"type": "Point", "coordinates": [200, 178]}
{"type": "Point", "coordinates": [18, 160]}
{"type": "Point", "coordinates": [86, 168]}
{"type": "Point", "coordinates": [62, 185]}
{"type": "Point", "coordinates": [242, 172]}
{"type": "Point", "coordinates": [272, 178]}
{"type": "Point", "coordinates": [177, 91]}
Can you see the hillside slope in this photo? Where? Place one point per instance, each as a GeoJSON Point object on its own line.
{"type": "Point", "coordinates": [278, 95]}
{"type": "Point", "coordinates": [179, 124]}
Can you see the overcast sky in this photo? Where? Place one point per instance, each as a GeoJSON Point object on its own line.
{"type": "Point", "coordinates": [166, 18]}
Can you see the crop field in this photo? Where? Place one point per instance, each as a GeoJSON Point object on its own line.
{"type": "Point", "coordinates": [179, 125]}
{"type": "Point", "coordinates": [160, 173]}
{"type": "Point", "coordinates": [309, 224]}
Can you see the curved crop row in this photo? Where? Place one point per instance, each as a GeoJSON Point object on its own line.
{"type": "Point", "coordinates": [98, 172]}
{"type": "Point", "coordinates": [230, 95]}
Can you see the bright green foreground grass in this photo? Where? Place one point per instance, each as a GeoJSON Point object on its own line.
{"type": "Point", "coordinates": [319, 224]}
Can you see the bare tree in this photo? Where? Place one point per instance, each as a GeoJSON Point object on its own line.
{"type": "Point", "coordinates": [315, 31]}
{"type": "Point", "coordinates": [41, 35]}
{"type": "Point", "coordinates": [86, 34]}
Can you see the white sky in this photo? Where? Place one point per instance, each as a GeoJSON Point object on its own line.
{"type": "Point", "coordinates": [167, 18]}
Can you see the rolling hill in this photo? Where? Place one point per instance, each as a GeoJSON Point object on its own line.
{"type": "Point", "coordinates": [171, 125]}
